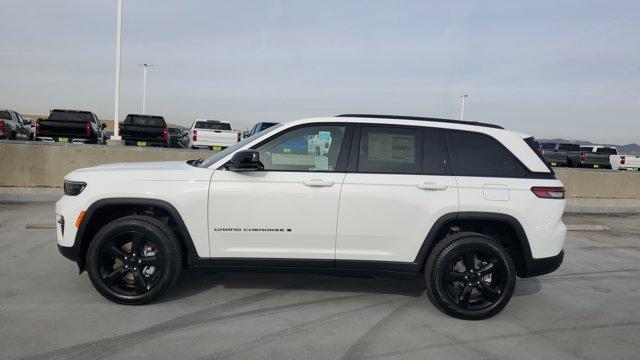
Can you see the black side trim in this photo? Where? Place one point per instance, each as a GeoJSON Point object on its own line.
{"type": "Point", "coordinates": [80, 242]}
{"type": "Point", "coordinates": [401, 117]}
{"type": "Point", "coordinates": [543, 266]}
{"type": "Point", "coordinates": [308, 266]}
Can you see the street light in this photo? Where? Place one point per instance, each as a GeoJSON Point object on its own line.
{"type": "Point", "coordinates": [463, 97]}
{"type": "Point", "coordinates": [116, 132]}
{"type": "Point", "coordinates": [145, 69]}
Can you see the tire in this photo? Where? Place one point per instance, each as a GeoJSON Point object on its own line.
{"type": "Point", "coordinates": [452, 290]}
{"type": "Point", "coordinates": [32, 137]}
{"type": "Point", "coordinates": [12, 136]}
{"type": "Point", "coordinates": [118, 252]}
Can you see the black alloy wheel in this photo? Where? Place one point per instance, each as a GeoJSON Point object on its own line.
{"type": "Point", "coordinates": [470, 276]}
{"type": "Point", "coordinates": [134, 260]}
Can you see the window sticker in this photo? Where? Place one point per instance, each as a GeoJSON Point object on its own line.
{"type": "Point", "coordinates": [392, 147]}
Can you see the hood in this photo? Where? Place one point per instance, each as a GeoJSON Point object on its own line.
{"type": "Point", "coordinates": [159, 165]}
{"type": "Point", "coordinates": [148, 171]}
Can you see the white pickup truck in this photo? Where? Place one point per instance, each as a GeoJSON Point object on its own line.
{"type": "Point", "coordinates": [212, 134]}
{"type": "Point", "coordinates": [625, 162]}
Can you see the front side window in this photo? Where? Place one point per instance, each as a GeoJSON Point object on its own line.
{"type": "Point", "coordinates": [309, 148]}
{"type": "Point", "coordinates": [389, 150]}
{"type": "Point", "coordinates": [474, 154]}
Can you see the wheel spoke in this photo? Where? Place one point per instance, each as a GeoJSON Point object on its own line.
{"type": "Point", "coordinates": [113, 277]}
{"type": "Point", "coordinates": [463, 299]}
{"type": "Point", "coordinates": [488, 292]}
{"type": "Point", "coordinates": [141, 283]}
{"type": "Point", "coordinates": [451, 276]}
{"type": "Point", "coordinates": [137, 243]}
{"type": "Point", "coordinates": [115, 251]}
{"type": "Point", "coordinates": [151, 261]}
{"type": "Point", "coordinates": [469, 259]}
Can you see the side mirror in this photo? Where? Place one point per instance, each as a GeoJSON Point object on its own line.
{"type": "Point", "coordinates": [245, 160]}
{"type": "Point", "coordinates": [104, 126]}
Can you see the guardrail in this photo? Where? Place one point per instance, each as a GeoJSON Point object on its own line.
{"type": "Point", "coordinates": [35, 164]}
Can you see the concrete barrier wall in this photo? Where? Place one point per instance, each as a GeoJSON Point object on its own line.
{"type": "Point", "coordinates": [36, 164]}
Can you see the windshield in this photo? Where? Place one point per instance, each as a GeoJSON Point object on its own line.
{"type": "Point", "coordinates": [70, 116]}
{"type": "Point", "coordinates": [212, 125]}
{"type": "Point", "coordinates": [144, 121]}
{"type": "Point", "coordinates": [218, 156]}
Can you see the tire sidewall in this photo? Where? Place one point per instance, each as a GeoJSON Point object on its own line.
{"type": "Point", "coordinates": [163, 241]}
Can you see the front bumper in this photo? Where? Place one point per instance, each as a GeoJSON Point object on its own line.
{"type": "Point", "coordinates": [70, 253]}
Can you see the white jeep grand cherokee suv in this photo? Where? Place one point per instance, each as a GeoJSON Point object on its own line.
{"type": "Point", "coordinates": [468, 204]}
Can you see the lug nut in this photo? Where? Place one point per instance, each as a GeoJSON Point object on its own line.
{"type": "Point", "coordinates": [139, 261]}
{"type": "Point", "coordinates": [125, 258]}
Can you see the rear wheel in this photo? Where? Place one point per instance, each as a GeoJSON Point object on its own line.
{"type": "Point", "coordinates": [470, 276]}
{"type": "Point", "coordinates": [134, 260]}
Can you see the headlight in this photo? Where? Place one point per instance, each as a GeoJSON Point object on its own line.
{"type": "Point", "coordinates": [73, 188]}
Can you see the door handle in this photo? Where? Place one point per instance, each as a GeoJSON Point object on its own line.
{"type": "Point", "coordinates": [318, 183]}
{"type": "Point", "coordinates": [431, 186]}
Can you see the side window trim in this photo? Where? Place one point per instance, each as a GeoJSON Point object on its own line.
{"type": "Point", "coordinates": [341, 163]}
{"type": "Point", "coordinates": [447, 158]}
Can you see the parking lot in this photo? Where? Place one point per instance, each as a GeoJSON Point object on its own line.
{"type": "Point", "coordinates": [588, 309]}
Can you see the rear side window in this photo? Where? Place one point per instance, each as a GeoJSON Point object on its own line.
{"type": "Point", "coordinates": [211, 125]}
{"type": "Point", "coordinates": [474, 154]}
{"type": "Point", "coordinates": [5, 115]}
{"type": "Point", "coordinates": [389, 150]}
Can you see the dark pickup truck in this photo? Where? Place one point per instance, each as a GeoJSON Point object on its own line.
{"type": "Point", "coordinates": [596, 156]}
{"type": "Point", "coordinates": [563, 154]}
{"type": "Point", "coordinates": [74, 126]}
{"type": "Point", "coordinates": [144, 130]}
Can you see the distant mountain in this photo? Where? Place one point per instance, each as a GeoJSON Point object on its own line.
{"type": "Point", "coordinates": [622, 149]}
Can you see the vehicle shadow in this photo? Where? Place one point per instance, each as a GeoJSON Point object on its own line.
{"type": "Point", "coordinates": [192, 283]}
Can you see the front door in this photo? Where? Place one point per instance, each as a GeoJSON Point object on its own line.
{"type": "Point", "coordinates": [289, 209]}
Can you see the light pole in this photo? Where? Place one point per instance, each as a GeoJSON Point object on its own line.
{"type": "Point", "coordinates": [463, 97]}
{"type": "Point", "coordinates": [145, 69]}
{"type": "Point", "coordinates": [116, 135]}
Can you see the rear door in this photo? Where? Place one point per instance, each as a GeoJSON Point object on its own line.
{"type": "Point", "coordinates": [399, 183]}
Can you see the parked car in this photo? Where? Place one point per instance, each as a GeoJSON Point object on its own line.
{"type": "Point", "coordinates": [74, 126]}
{"type": "Point", "coordinates": [596, 156]}
{"type": "Point", "coordinates": [175, 137]}
{"type": "Point", "coordinates": [468, 205]}
{"type": "Point", "coordinates": [144, 130]}
{"type": "Point", "coordinates": [32, 128]}
{"type": "Point", "coordinates": [563, 154]}
{"type": "Point", "coordinates": [212, 134]}
{"type": "Point", "coordinates": [12, 126]}
{"type": "Point", "coordinates": [261, 126]}
{"type": "Point", "coordinates": [625, 162]}
{"type": "Point", "coordinates": [319, 144]}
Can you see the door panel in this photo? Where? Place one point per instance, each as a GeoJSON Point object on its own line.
{"type": "Point", "coordinates": [386, 217]}
{"type": "Point", "coordinates": [274, 214]}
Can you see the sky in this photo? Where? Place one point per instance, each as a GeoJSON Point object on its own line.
{"type": "Point", "coordinates": [566, 69]}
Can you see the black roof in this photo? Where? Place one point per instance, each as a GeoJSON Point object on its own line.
{"type": "Point", "coordinates": [400, 117]}
{"type": "Point", "coordinates": [145, 115]}
{"type": "Point", "coordinates": [72, 111]}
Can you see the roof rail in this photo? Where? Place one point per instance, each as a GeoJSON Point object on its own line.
{"type": "Point", "coordinates": [400, 117]}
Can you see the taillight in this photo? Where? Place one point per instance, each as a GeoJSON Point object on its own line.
{"type": "Point", "coordinates": [239, 137]}
{"type": "Point", "coordinates": [120, 129]}
{"type": "Point", "coordinates": [165, 134]}
{"type": "Point", "coordinates": [548, 192]}
{"type": "Point", "coordinates": [583, 156]}
{"type": "Point", "coordinates": [2, 125]}
{"type": "Point", "coordinates": [195, 135]}
{"type": "Point", "coordinates": [621, 160]}
{"type": "Point", "coordinates": [87, 130]}
{"type": "Point", "coordinates": [37, 127]}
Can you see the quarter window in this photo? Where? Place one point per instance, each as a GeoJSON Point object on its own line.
{"type": "Point", "coordinates": [389, 150]}
{"type": "Point", "coordinates": [474, 154]}
{"type": "Point", "coordinates": [310, 148]}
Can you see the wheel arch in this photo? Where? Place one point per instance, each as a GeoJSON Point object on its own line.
{"type": "Point", "coordinates": [512, 235]}
{"type": "Point", "coordinates": [103, 211]}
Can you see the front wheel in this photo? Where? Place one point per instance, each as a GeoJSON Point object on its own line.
{"type": "Point", "coordinates": [134, 260]}
{"type": "Point", "coordinates": [470, 276]}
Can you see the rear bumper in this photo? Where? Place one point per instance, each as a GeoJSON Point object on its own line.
{"type": "Point", "coordinates": [71, 140]}
{"type": "Point", "coordinates": [537, 267]}
{"type": "Point", "coordinates": [153, 142]}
